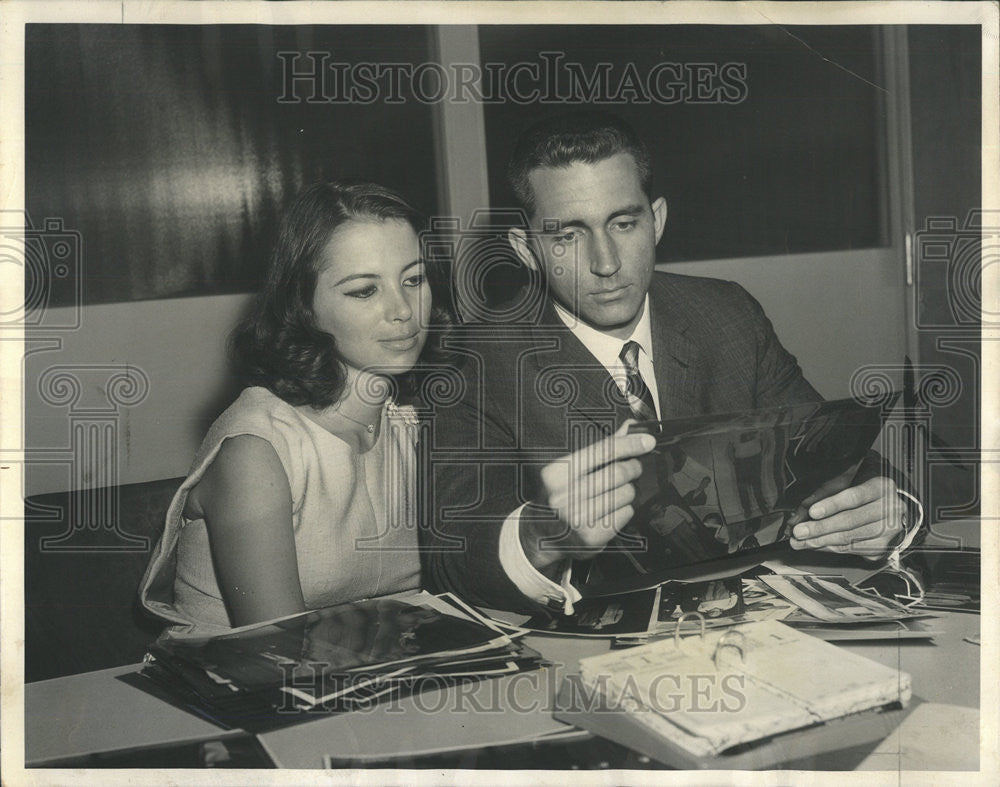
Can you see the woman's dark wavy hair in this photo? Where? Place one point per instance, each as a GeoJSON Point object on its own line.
{"type": "Point", "coordinates": [278, 345]}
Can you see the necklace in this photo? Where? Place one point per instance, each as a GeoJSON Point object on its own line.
{"type": "Point", "coordinates": [370, 428]}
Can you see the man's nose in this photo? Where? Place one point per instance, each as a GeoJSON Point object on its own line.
{"type": "Point", "coordinates": [604, 256]}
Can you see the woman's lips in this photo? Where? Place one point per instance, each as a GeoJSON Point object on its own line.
{"type": "Point", "coordinates": [402, 345]}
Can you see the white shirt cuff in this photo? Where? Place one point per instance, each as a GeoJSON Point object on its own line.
{"type": "Point", "coordinates": [529, 580]}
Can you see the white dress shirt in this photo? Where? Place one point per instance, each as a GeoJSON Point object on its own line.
{"type": "Point", "coordinates": [606, 349]}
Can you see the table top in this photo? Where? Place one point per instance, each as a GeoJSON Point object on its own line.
{"type": "Point", "coordinates": [78, 715]}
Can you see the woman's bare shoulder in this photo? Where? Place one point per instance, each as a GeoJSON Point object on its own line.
{"type": "Point", "coordinates": [245, 469]}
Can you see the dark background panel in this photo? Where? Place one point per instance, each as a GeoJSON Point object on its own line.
{"type": "Point", "coordinates": [168, 150]}
{"type": "Point", "coordinates": [946, 101]}
{"type": "Point", "coordinates": [796, 165]}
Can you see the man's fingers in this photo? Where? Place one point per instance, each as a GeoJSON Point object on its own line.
{"type": "Point", "coordinates": [844, 530]}
{"type": "Point", "coordinates": [613, 499]}
{"type": "Point", "coordinates": [619, 473]}
{"type": "Point", "coordinates": [562, 485]}
{"type": "Point", "coordinates": [829, 488]}
{"type": "Point", "coordinates": [871, 549]}
{"type": "Point", "coordinates": [852, 497]}
{"type": "Point", "coordinates": [586, 541]}
{"type": "Point", "coordinates": [613, 522]}
{"type": "Point", "coordinates": [612, 448]}
{"type": "Point", "coordinates": [584, 511]}
{"type": "Point", "coordinates": [843, 521]}
{"type": "Point", "coordinates": [862, 520]}
{"type": "Point", "coordinates": [591, 490]}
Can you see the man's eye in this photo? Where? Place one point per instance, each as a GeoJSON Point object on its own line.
{"type": "Point", "coordinates": [625, 226]}
{"type": "Point", "coordinates": [566, 237]}
{"type": "Point", "coordinates": [364, 292]}
{"type": "Point", "coordinates": [416, 280]}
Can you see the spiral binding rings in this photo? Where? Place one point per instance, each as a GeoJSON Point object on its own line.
{"type": "Point", "coordinates": [739, 647]}
{"type": "Point", "coordinates": [680, 621]}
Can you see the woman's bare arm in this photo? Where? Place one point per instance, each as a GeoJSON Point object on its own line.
{"type": "Point", "coordinates": [246, 501]}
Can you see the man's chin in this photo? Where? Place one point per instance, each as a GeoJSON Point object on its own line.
{"type": "Point", "coordinates": [621, 319]}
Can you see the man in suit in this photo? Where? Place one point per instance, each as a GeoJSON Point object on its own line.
{"type": "Point", "coordinates": [532, 466]}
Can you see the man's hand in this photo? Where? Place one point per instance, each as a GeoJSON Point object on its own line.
{"type": "Point", "coordinates": [862, 520]}
{"type": "Point", "coordinates": [590, 492]}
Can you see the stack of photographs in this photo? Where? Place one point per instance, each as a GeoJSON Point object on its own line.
{"type": "Point", "coordinates": [831, 608]}
{"type": "Point", "coordinates": [828, 607]}
{"type": "Point", "coordinates": [633, 618]}
{"type": "Point", "coordinates": [337, 659]}
{"type": "Point", "coordinates": [933, 578]}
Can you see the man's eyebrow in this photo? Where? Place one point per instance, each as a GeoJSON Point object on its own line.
{"type": "Point", "coordinates": [354, 276]}
{"type": "Point", "coordinates": [628, 210]}
{"type": "Point", "coordinates": [557, 225]}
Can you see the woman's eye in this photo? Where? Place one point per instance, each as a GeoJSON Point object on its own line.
{"type": "Point", "coordinates": [416, 280]}
{"type": "Point", "coordinates": [364, 292]}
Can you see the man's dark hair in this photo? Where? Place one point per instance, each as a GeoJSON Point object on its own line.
{"type": "Point", "coordinates": [583, 136]}
{"type": "Point", "coordinates": [279, 345]}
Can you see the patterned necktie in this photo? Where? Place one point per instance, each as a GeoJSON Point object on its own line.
{"type": "Point", "coordinates": [640, 400]}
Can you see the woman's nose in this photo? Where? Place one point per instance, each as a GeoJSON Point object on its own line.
{"type": "Point", "coordinates": [399, 309]}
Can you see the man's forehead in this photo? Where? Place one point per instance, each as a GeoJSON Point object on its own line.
{"type": "Point", "coordinates": [584, 189]}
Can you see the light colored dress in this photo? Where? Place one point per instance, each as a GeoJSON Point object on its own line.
{"type": "Point", "coordinates": [354, 515]}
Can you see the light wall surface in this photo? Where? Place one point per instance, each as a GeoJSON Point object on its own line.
{"type": "Point", "coordinates": [835, 312]}
{"type": "Point", "coordinates": [178, 346]}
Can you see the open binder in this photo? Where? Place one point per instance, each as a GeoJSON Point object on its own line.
{"type": "Point", "coordinates": [749, 697]}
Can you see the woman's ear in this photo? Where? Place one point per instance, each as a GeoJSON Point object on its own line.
{"type": "Point", "coordinates": [519, 242]}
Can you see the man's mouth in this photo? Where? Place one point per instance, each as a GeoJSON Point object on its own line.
{"type": "Point", "coordinates": [606, 296]}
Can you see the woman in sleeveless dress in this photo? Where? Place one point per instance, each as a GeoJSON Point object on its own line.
{"type": "Point", "coordinates": [302, 494]}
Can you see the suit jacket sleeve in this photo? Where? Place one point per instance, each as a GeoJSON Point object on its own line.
{"type": "Point", "coordinates": [473, 488]}
{"type": "Point", "coordinates": [778, 379]}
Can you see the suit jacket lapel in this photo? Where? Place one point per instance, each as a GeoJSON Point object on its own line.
{"type": "Point", "coordinates": [675, 357]}
{"type": "Point", "coordinates": [596, 394]}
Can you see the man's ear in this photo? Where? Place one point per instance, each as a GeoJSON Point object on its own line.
{"type": "Point", "coordinates": [518, 240]}
{"type": "Point", "coordinates": [659, 207]}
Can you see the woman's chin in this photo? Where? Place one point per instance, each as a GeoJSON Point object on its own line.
{"type": "Point", "coordinates": [387, 366]}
